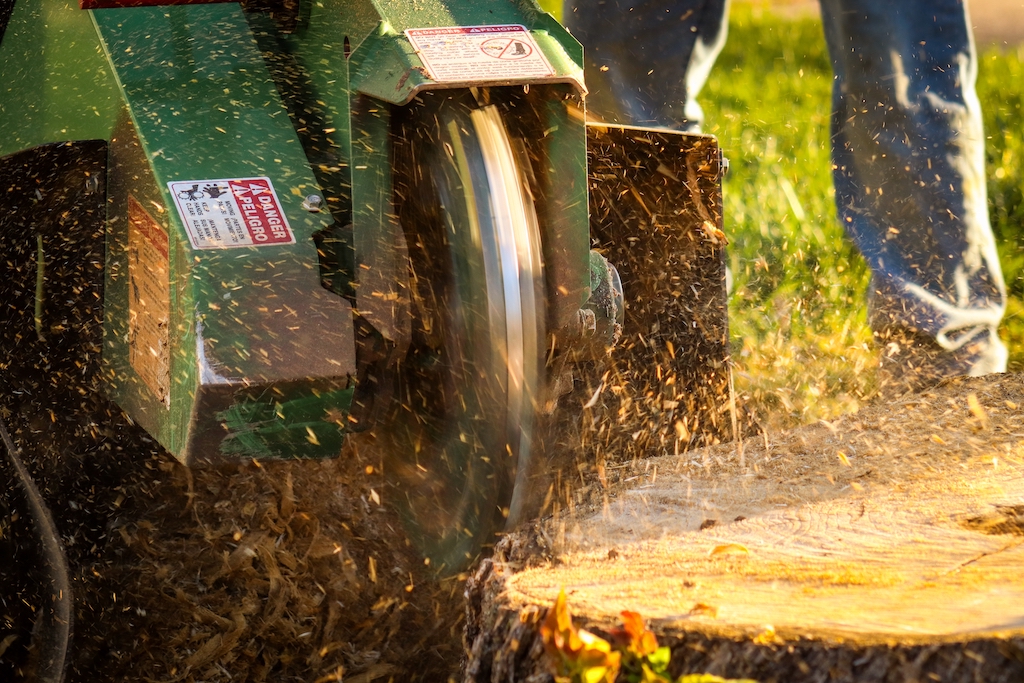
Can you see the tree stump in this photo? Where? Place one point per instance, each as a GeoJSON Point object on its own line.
{"type": "Point", "coordinates": [887, 545]}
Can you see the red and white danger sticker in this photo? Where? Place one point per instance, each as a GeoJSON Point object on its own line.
{"type": "Point", "coordinates": [233, 212]}
{"type": "Point", "coordinates": [459, 54]}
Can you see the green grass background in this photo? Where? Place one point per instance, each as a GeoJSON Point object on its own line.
{"type": "Point", "coordinates": [798, 320]}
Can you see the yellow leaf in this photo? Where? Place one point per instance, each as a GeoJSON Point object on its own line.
{"type": "Point", "coordinates": [843, 459]}
{"type": "Point", "coordinates": [576, 654]}
{"type": "Point", "coordinates": [767, 636]}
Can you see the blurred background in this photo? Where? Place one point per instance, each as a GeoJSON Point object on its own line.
{"type": "Point", "coordinates": [801, 346]}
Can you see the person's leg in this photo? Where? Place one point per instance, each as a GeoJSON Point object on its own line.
{"type": "Point", "coordinates": [646, 60]}
{"type": "Point", "coordinates": [908, 159]}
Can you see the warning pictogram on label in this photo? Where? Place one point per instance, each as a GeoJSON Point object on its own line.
{"type": "Point", "coordinates": [506, 48]}
{"type": "Point", "coordinates": [479, 53]}
{"type": "Point", "coordinates": [233, 212]}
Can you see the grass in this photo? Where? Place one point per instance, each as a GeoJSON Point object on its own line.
{"type": "Point", "coordinates": [798, 319]}
{"type": "Point", "coordinates": [1001, 91]}
{"type": "Point", "coordinates": [802, 347]}
{"type": "Point", "coordinates": [800, 339]}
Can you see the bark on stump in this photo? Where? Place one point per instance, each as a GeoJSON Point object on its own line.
{"type": "Point", "coordinates": [885, 546]}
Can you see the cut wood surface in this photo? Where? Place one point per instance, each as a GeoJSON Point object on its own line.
{"type": "Point", "coordinates": [896, 530]}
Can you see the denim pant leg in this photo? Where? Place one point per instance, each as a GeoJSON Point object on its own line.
{"type": "Point", "coordinates": [908, 160]}
{"type": "Point", "coordinates": [646, 60]}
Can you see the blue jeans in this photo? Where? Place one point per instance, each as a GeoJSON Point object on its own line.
{"type": "Point", "coordinates": [907, 149]}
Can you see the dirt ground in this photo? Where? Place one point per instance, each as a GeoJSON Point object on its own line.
{"type": "Point", "coordinates": [299, 571]}
{"type": "Point", "coordinates": [280, 571]}
{"type": "Point", "coordinates": [996, 22]}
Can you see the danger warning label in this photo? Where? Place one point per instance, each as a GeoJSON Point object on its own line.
{"type": "Point", "coordinates": [234, 212]}
{"type": "Point", "coordinates": [479, 53]}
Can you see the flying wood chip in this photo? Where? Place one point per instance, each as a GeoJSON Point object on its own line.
{"type": "Point", "coordinates": [728, 548]}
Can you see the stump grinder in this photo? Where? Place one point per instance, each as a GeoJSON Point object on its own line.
{"type": "Point", "coordinates": [258, 227]}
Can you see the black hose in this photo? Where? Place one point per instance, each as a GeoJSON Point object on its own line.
{"type": "Point", "coordinates": [51, 632]}
{"type": "Point", "coordinates": [6, 9]}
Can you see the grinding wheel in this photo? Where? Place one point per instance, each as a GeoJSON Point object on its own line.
{"type": "Point", "coordinates": [468, 387]}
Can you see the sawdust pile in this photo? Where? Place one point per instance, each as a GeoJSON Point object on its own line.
{"type": "Point", "coordinates": [275, 571]}
{"type": "Point", "coordinates": [972, 421]}
{"type": "Point", "coordinates": [258, 572]}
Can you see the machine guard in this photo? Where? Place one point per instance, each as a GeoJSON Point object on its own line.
{"type": "Point", "coordinates": [656, 213]}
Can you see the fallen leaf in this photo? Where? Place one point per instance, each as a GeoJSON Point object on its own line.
{"type": "Point", "coordinates": [576, 654]}
{"type": "Point", "coordinates": [634, 636]}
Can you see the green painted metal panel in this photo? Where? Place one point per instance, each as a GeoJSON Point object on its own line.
{"type": "Point", "coordinates": [381, 291]}
{"type": "Point", "coordinates": [553, 7]}
{"type": "Point", "coordinates": [250, 328]}
{"type": "Point", "coordinates": [402, 14]}
{"type": "Point", "coordinates": [55, 83]}
{"type": "Point", "coordinates": [347, 139]}
{"type": "Point", "coordinates": [203, 100]}
{"type": "Point", "coordinates": [385, 65]}
{"type": "Point", "coordinates": [567, 207]}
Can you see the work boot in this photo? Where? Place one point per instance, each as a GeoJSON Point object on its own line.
{"type": "Point", "coordinates": [911, 361]}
